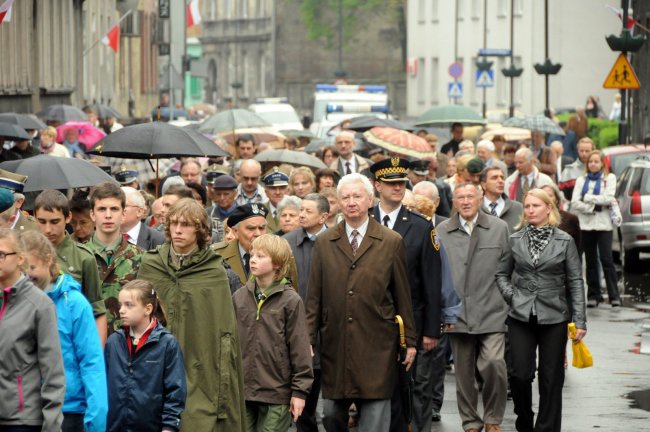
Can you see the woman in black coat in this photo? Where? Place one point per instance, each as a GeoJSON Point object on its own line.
{"type": "Point", "coordinates": [535, 276]}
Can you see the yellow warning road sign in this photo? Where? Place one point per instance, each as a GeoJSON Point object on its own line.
{"type": "Point", "coordinates": [622, 75]}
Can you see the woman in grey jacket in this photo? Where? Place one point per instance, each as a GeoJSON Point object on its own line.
{"type": "Point", "coordinates": [32, 380]}
{"type": "Point", "coordinates": [535, 276]}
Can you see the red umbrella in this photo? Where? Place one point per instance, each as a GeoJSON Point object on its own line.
{"type": "Point", "coordinates": [399, 141]}
{"type": "Point", "coordinates": [89, 135]}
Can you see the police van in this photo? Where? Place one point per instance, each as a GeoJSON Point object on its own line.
{"type": "Point", "coordinates": [335, 103]}
{"type": "Point", "coordinates": [278, 112]}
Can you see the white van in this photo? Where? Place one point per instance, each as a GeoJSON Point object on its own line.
{"type": "Point", "coordinates": [278, 112]}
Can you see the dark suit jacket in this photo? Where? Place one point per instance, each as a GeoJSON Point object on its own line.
{"type": "Point", "coordinates": [149, 238]}
{"type": "Point", "coordinates": [444, 191]}
{"type": "Point", "coordinates": [511, 213]}
{"type": "Point", "coordinates": [571, 225]}
{"type": "Point", "coordinates": [424, 269]}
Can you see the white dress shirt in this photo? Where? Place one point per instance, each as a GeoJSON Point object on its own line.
{"type": "Point", "coordinates": [392, 215]}
{"type": "Point", "coordinates": [501, 204]}
{"type": "Point", "coordinates": [133, 233]}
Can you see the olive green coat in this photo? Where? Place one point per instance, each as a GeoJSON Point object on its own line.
{"type": "Point", "coordinates": [201, 315]}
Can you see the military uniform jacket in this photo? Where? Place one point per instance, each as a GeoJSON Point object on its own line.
{"type": "Point", "coordinates": [424, 269]}
{"type": "Point", "coordinates": [474, 262]}
{"type": "Point", "coordinates": [229, 251]}
{"type": "Point", "coordinates": [352, 301]}
{"type": "Point", "coordinates": [25, 223]}
{"type": "Point", "coordinates": [116, 268]}
{"type": "Point", "coordinates": [79, 262]}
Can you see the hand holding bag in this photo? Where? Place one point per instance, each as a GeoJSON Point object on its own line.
{"type": "Point", "coordinates": [615, 214]}
{"type": "Point", "coordinates": [581, 356]}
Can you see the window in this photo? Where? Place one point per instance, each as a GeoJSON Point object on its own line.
{"type": "Point", "coordinates": [421, 81]}
{"type": "Point", "coordinates": [227, 9]}
{"type": "Point", "coordinates": [245, 75]}
{"type": "Point", "coordinates": [460, 10]}
{"type": "Point", "coordinates": [502, 83]}
{"type": "Point", "coordinates": [434, 81]}
{"type": "Point", "coordinates": [244, 9]}
{"type": "Point", "coordinates": [474, 91]}
{"type": "Point", "coordinates": [262, 74]}
{"type": "Point", "coordinates": [518, 84]}
{"type": "Point", "coordinates": [476, 10]}
{"type": "Point", "coordinates": [422, 13]}
{"type": "Point", "coordinates": [502, 9]}
{"type": "Point", "coordinates": [518, 8]}
{"type": "Point", "coordinates": [434, 10]}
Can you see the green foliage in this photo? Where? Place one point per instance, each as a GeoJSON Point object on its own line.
{"type": "Point", "coordinates": [603, 132]}
{"type": "Point", "coordinates": [321, 17]}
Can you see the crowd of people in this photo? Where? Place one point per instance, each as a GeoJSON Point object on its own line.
{"type": "Point", "coordinates": [239, 295]}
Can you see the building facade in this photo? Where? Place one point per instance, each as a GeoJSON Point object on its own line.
{"type": "Point", "coordinates": [441, 32]}
{"type": "Point", "coordinates": [51, 54]}
{"type": "Point", "coordinates": [259, 48]}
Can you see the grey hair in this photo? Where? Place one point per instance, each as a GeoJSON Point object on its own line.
{"type": "Point", "coordinates": [172, 181]}
{"type": "Point", "coordinates": [486, 144]}
{"type": "Point", "coordinates": [349, 179]}
{"type": "Point", "coordinates": [322, 204]}
{"type": "Point", "coordinates": [525, 152]}
{"type": "Point", "coordinates": [427, 189]}
{"type": "Point", "coordinates": [469, 184]}
{"type": "Point", "coordinates": [289, 201]}
{"type": "Point", "coordinates": [134, 196]}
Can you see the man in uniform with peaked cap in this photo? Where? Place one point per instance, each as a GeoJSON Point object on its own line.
{"type": "Point", "coordinates": [276, 185]}
{"type": "Point", "coordinates": [16, 183]}
{"type": "Point", "coordinates": [127, 176]}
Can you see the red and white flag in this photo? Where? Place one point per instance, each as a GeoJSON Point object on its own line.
{"type": "Point", "coordinates": [619, 12]}
{"type": "Point", "coordinates": [5, 11]}
{"type": "Point", "coordinates": [112, 38]}
{"type": "Point", "coordinates": [192, 14]}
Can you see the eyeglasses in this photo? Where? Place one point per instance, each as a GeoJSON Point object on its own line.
{"type": "Point", "coordinates": [4, 255]}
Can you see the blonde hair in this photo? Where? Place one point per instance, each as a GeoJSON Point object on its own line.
{"type": "Point", "coordinates": [424, 205]}
{"type": "Point", "coordinates": [461, 162]}
{"type": "Point", "coordinates": [305, 172]}
{"type": "Point", "coordinates": [554, 217]}
{"type": "Point", "coordinates": [49, 131]}
{"type": "Point", "coordinates": [37, 244]}
{"type": "Point", "coordinates": [277, 249]}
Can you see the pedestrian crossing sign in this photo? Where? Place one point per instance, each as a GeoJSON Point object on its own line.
{"type": "Point", "coordinates": [455, 90]}
{"type": "Point", "coordinates": [622, 75]}
{"type": "Point", "coordinates": [485, 78]}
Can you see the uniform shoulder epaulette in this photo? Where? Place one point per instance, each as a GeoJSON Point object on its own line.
{"type": "Point", "coordinates": [419, 215]}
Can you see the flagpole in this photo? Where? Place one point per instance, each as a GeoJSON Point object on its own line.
{"type": "Point", "coordinates": [127, 13]}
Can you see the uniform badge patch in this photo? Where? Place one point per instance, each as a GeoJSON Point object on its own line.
{"type": "Point", "coordinates": [435, 240]}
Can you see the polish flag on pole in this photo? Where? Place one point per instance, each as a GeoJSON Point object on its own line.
{"type": "Point", "coordinates": [5, 11]}
{"type": "Point", "coordinates": [619, 12]}
{"type": "Point", "coordinates": [192, 14]}
{"type": "Point", "coordinates": [112, 38]}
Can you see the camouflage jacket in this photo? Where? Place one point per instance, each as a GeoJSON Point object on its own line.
{"type": "Point", "coordinates": [117, 264]}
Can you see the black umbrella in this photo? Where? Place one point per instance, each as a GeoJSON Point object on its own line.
{"type": "Point", "coordinates": [51, 172]}
{"type": "Point", "coordinates": [25, 121]}
{"type": "Point", "coordinates": [364, 123]}
{"type": "Point", "coordinates": [104, 111]}
{"type": "Point", "coordinates": [156, 140]}
{"type": "Point", "coordinates": [62, 113]}
{"type": "Point", "coordinates": [13, 132]}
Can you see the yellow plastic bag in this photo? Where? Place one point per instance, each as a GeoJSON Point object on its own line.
{"type": "Point", "coordinates": [581, 356]}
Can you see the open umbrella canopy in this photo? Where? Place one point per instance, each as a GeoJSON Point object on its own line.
{"type": "Point", "coordinates": [316, 145]}
{"type": "Point", "coordinates": [156, 140]}
{"type": "Point", "coordinates": [104, 111]}
{"type": "Point", "coordinates": [89, 135]}
{"type": "Point", "coordinates": [536, 123]}
{"type": "Point", "coordinates": [25, 121]}
{"type": "Point", "coordinates": [13, 132]}
{"type": "Point", "coordinates": [290, 157]}
{"type": "Point", "coordinates": [231, 121]}
{"type": "Point", "coordinates": [298, 133]}
{"type": "Point", "coordinates": [62, 114]}
{"type": "Point", "coordinates": [445, 115]}
{"type": "Point", "coordinates": [364, 123]}
{"type": "Point", "coordinates": [509, 133]}
{"type": "Point", "coordinates": [399, 141]}
{"type": "Point", "coordinates": [51, 172]}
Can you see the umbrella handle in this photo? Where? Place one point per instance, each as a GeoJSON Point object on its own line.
{"type": "Point", "coordinates": [402, 335]}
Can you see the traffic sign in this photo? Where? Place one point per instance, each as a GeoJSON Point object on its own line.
{"type": "Point", "coordinates": [494, 52]}
{"type": "Point", "coordinates": [622, 75]}
{"type": "Point", "coordinates": [485, 78]}
{"type": "Point", "coordinates": [455, 70]}
{"type": "Point", "coordinates": [455, 90]}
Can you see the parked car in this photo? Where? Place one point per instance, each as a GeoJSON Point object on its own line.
{"type": "Point", "coordinates": [633, 196]}
{"type": "Point", "coordinates": [619, 156]}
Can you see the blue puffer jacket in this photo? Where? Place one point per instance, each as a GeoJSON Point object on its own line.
{"type": "Point", "coordinates": [147, 390]}
{"type": "Point", "coordinates": [85, 375]}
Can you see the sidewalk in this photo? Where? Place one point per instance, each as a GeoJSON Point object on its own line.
{"type": "Point", "coordinates": [594, 398]}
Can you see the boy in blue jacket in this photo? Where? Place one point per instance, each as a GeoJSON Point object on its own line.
{"type": "Point", "coordinates": [85, 405]}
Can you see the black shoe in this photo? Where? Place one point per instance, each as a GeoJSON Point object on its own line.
{"type": "Point", "coordinates": [435, 415]}
{"type": "Point", "coordinates": [616, 303]}
{"type": "Point", "coordinates": [592, 303]}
